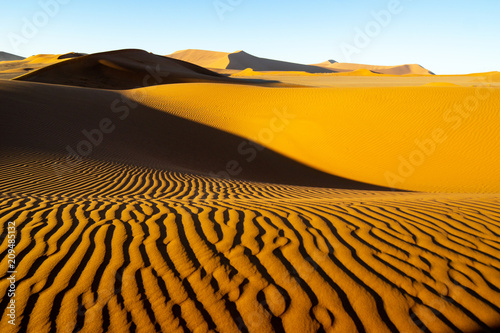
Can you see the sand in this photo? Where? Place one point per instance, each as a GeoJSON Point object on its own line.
{"type": "Point", "coordinates": [144, 231]}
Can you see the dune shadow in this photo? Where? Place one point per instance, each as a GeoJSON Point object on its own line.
{"type": "Point", "coordinates": [242, 60]}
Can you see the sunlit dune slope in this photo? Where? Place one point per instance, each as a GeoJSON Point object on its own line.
{"type": "Point", "coordinates": [122, 69]}
{"type": "Point", "coordinates": [394, 70]}
{"type": "Point", "coordinates": [414, 138]}
{"type": "Point", "coordinates": [13, 68]}
{"type": "Point", "coordinates": [207, 59]}
{"type": "Point", "coordinates": [241, 60]}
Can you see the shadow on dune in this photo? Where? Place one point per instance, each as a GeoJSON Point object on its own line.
{"type": "Point", "coordinates": [242, 60]}
{"type": "Point", "coordinates": [55, 119]}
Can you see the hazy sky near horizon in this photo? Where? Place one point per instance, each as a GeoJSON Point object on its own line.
{"type": "Point", "coordinates": [445, 36]}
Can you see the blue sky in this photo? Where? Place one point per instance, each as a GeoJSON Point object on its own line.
{"type": "Point", "coordinates": [445, 36]}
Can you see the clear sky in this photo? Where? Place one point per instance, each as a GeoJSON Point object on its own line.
{"type": "Point", "coordinates": [445, 36]}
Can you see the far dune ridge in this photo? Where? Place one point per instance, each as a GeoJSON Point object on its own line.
{"type": "Point", "coordinates": [394, 70]}
{"type": "Point", "coordinates": [241, 60]}
{"type": "Point", "coordinates": [4, 56]}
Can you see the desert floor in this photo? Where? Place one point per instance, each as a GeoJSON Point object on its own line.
{"type": "Point", "coordinates": [150, 195]}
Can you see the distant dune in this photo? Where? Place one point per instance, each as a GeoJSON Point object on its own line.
{"type": "Point", "coordinates": [394, 70]}
{"type": "Point", "coordinates": [11, 69]}
{"type": "Point", "coordinates": [241, 60]}
{"type": "Point", "coordinates": [4, 56]}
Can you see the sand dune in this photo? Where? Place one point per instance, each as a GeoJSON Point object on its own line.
{"type": "Point", "coordinates": [241, 60]}
{"type": "Point", "coordinates": [11, 69]}
{"type": "Point", "coordinates": [4, 56]}
{"type": "Point", "coordinates": [394, 70]}
{"type": "Point", "coordinates": [364, 134]}
{"type": "Point", "coordinates": [127, 219]}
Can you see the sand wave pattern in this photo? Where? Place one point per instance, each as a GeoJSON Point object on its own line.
{"type": "Point", "coordinates": [144, 250]}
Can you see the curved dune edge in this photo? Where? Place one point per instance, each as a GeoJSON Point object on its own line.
{"type": "Point", "coordinates": [153, 250]}
{"type": "Point", "coordinates": [414, 138]}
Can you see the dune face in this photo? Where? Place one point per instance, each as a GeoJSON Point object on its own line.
{"type": "Point", "coordinates": [4, 56]}
{"type": "Point", "coordinates": [186, 205]}
{"type": "Point", "coordinates": [122, 69]}
{"type": "Point", "coordinates": [365, 134]}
